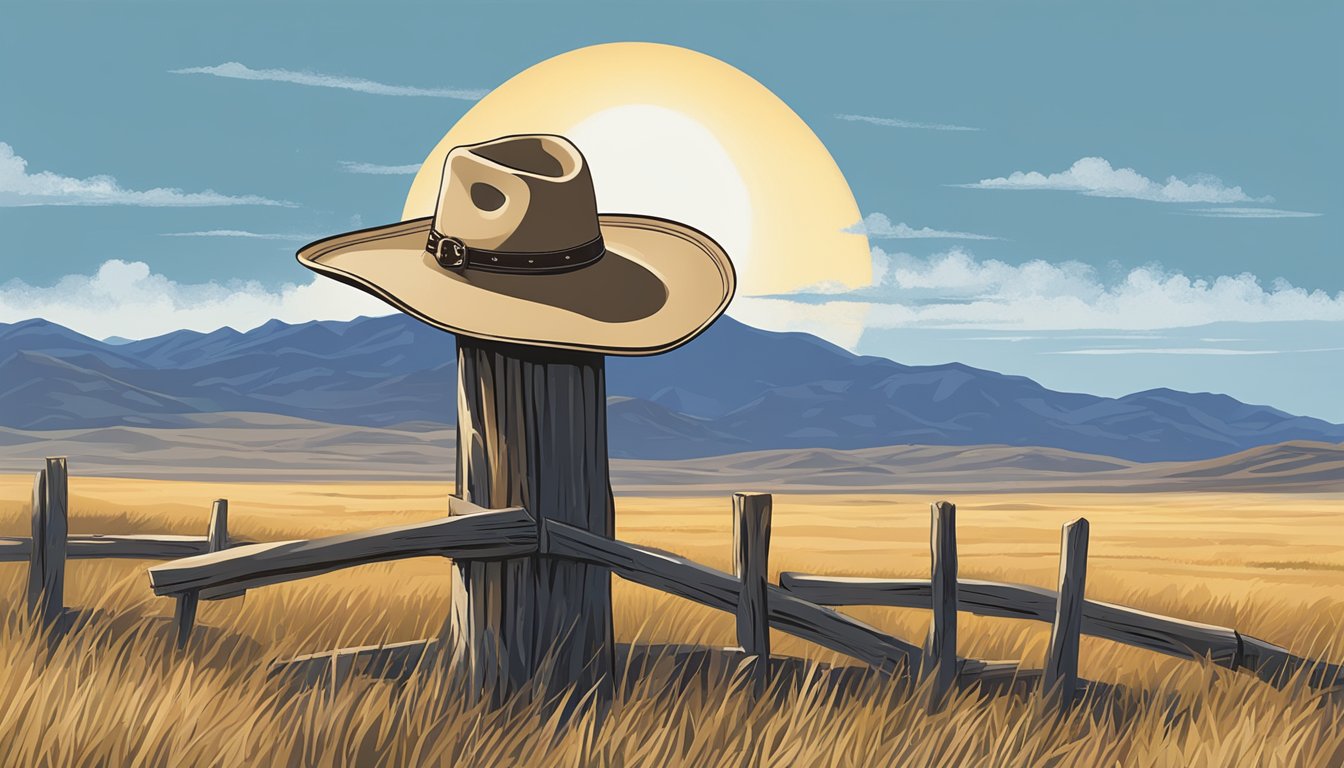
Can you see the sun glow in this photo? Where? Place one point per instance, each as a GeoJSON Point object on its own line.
{"type": "Point", "coordinates": [674, 133]}
{"type": "Point", "coordinates": [648, 159]}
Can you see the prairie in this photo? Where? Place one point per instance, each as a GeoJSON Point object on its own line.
{"type": "Point", "coordinates": [114, 693]}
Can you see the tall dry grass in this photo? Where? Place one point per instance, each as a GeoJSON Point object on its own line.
{"type": "Point", "coordinates": [113, 692]}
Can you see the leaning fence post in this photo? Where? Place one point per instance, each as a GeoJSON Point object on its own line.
{"type": "Point", "coordinates": [217, 538]}
{"type": "Point", "coordinates": [46, 564]}
{"type": "Point", "coordinates": [751, 565]}
{"type": "Point", "coordinates": [940, 649]}
{"type": "Point", "coordinates": [1061, 665]}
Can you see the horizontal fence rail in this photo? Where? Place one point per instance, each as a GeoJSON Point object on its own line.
{"type": "Point", "coordinates": [1163, 634]}
{"type": "Point", "coordinates": [472, 532]}
{"type": "Point", "coordinates": [214, 567]}
{"type": "Point", "coordinates": [97, 545]}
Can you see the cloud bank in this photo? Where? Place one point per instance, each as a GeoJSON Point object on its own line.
{"type": "Point", "coordinates": [237, 71]}
{"type": "Point", "coordinates": [349, 166]}
{"type": "Point", "coordinates": [956, 290]}
{"type": "Point", "coordinates": [951, 290]}
{"type": "Point", "coordinates": [19, 187]}
{"type": "Point", "coordinates": [891, 122]}
{"type": "Point", "coordinates": [1094, 176]}
{"type": "Point", "coordinates": [127, 299]}
{"type": "Point", "coordinates": [877, 225]}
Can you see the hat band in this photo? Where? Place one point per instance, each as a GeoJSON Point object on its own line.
{"type": "Point", "coordinates": [452, 253]}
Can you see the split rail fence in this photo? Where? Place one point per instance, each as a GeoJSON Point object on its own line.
{"type": "Point", "coordinates": [51, 544]}
{"type": "Point", "coordinates": [214, 567]}
{"type": "Point", "coordinates": [800, 605]}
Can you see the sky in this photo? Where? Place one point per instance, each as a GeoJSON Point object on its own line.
{"type": "Point", "coordinates": [1103, 198]}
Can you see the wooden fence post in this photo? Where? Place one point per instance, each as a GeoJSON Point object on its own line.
{"type": "Point", "coordinates": [184, 617]}
{"type": "Point", "coordinates": [1061, 665]}
{"type": "Point", "coordinates": [46, 561]}
{"type": "Point", "coordinates": [940, 649]}
{"type": "Point", "coordinates": [532, 433]}
{"type": "Point", "coordinates": [218, 532]}
{"type": "Point", "coordinates": [751, 565]}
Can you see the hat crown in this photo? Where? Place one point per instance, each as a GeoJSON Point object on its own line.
{"type": "Point", "coordinates": [529, 193]}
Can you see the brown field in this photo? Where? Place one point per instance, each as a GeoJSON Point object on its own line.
{"type": "Point", "coordinates": [113, 694]}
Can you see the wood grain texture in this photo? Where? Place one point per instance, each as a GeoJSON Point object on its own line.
{"type": "Point", "coordinates": [184, 618]}
{"type": "Point", "coordinates": [94, 545]}
{"type": "Point", "coordinates": [217, 539]}
{"type": "Point", "coordinates": [1060, 679]}
{"type": "Point", "coordinates": [217, 535]}
{"type": "Point", "coordinates": [1279, 666]}
{"type": "Point", "coordinates": [50, 525]}
{"type": "Point", "coordinates": [493, 534]}
{"type": "Point", "coordinates": [1163, 634]}
{"type": "Point", "coordinates": [685, 578]}
{"type": "Point", "coordinates": [532, 432]}
{"type": "Point", "coordinates": [751, 565]}
{"type": "Point", "coordinates": [940, 648]}
{"type": "Point", "coordinates": [36, 555]}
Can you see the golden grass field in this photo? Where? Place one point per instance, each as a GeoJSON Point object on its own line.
{"type": "Point", "coordinates": [114, 693]}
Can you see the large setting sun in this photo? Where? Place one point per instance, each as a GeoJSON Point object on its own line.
{"type": "Point", "coordinates": [675, 133]}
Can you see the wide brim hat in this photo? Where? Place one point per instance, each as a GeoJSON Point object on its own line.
{"type": "Point", "coordinates": [516, 252]}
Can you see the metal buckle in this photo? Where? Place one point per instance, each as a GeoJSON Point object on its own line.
{"type": "Point", "coordinates": [457, 260]}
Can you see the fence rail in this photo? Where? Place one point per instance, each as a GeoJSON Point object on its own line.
{"type": "Point", "coordinates": [1164, 634]}
{"type": "Point", "coordinates": [15, 549]}
{"type": "Point", "coordinates": [207, 567]}
{"type": "Point", "coordinates": [51, 544]}
{"type": "Point", "coordinates": [472, 532]}
{"type": "Point", "coordinates": [676, 575]}
{"type": "Point", "coordinates": [1223, 646]}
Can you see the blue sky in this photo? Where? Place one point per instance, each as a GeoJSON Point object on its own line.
{"type": "Point", "coordinates": [1072, 270]}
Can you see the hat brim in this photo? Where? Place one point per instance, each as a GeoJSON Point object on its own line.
{"type": "Point", "coordinates": [658, 286]}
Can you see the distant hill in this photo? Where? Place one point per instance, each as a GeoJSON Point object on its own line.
{"type": "Point", "coordinates": [265, 447]}
{"type": "Point", "coordinates": [737, 388]}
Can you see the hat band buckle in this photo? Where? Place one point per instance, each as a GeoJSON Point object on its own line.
{"type": "Point", "coordinates": [453, 254]}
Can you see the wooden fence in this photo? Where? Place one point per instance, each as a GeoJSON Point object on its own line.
{"type": "Point", "coordinates": [800, 605]}
{"type": "Point", "coordinates": [51, 545]}
{"type": "Point", "coordinates": [214, 567]}
{"type": "Point", "coordinates": [1069, 613]}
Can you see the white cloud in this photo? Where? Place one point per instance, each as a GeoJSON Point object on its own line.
{"type": "Point", "coordinates": [1233, 212]}
{"type": "Point", "coordinates": [1094, 176]}
{"type": "Point", "coordinates": [954, 289]}
{"type": "Point", "coordinates": [877, 225]}
{"type": "Point", "coordinates": [237, 71]}
{"type": "Point", "coordinates": [1220, 351]}
{"type": "Point", "coordinates": [891, 122]}
{"type": "Point", "coordinates": [127, 299]}
{"type": "Point", "coordinates": [243, 234]}
{"type": "Point", "coordinates": [18, 187]}
{"type": "Point", "coordinates": [349, 166]}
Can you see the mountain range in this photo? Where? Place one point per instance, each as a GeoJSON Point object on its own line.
{"type": "Point", "coordinates": [735, 389]}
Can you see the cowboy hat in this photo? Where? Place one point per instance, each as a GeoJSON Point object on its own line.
{"type": "Point", "coordinates": [517, 252]}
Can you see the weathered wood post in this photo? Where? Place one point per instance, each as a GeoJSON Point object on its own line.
{"type": "Point", "coordinates": [537, 287]}
{"type": "Point", "coordinates": [217, 538]}
{"type": "Point", "coordinates": [940, 649]}
{"type": "Point", "coordinates": [1061, 663]}
{"type": "Point", "coordinates": [751, 565]}
{"type": "Point", "coordinates": [532, 432]}
{"type": "Point", "coordinates": [46, 562]}
{"type": "Point", "coordinates": [217, 534]}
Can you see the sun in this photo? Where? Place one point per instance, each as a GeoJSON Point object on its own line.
{"type": "Point", "coordinates": [675, 133]}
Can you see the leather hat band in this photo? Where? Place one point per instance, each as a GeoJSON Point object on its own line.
{"type": "Point", "coordinates": [452, 253]}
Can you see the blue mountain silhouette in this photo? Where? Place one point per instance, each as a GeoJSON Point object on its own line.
{"type": "Point", "coordinates": [736, 388]}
